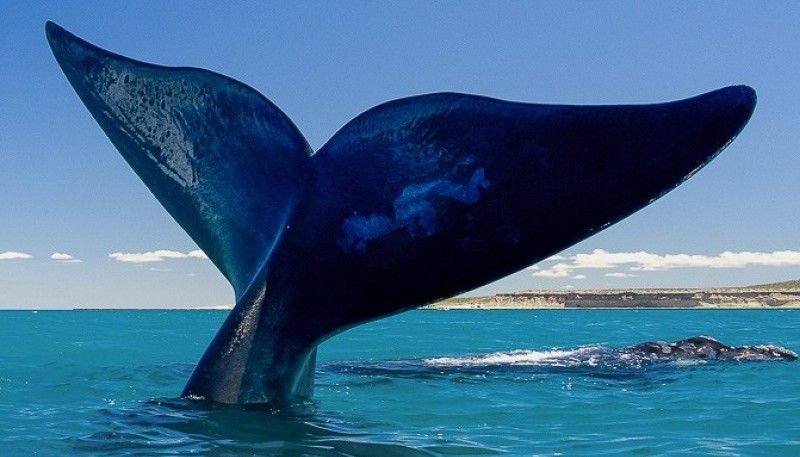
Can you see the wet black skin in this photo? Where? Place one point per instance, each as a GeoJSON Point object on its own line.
{"type": "Point", "coordinates": [703, 347]}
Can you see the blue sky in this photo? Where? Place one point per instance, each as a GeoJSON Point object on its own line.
{"type": "Point", "coordinates": [65, 190]}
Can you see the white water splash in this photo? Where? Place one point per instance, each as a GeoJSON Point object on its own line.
{"type": "Point", "coordinates": [553, 357]}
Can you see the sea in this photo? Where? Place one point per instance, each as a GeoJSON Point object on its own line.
{"type": "Point", "coordinates": [422, 383]}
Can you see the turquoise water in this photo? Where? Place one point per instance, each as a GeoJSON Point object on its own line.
{"type": "Point", "coordinates": [105, 383]}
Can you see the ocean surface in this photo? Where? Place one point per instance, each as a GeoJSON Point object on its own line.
{"type": "Point", "coordinates": [106, 383]}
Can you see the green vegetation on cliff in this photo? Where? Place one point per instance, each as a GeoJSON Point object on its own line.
{"type": "Point", "coordinates": [793, 284]}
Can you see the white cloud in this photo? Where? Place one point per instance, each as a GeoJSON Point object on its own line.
{"type": "Point", "coordinates": [198, 254]}
{"type": "Point", "coordinates": [620, 275]}
{"type": "Point", "coordinates": [579, 277]}
{"type": "Point", "coordinates": [64, 258]}
{"type": "Point", "coordinates": [156, 256]}
{"type": "Point", "coordinates": [552, 258]}
{"type": "Point", "coordinates": [646, 261]}
{"type": "Point", "coordinates": [560, 270]}
{"type": "Point", "coordinates": [12, 255]}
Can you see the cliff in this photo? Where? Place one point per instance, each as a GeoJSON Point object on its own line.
{"type": "Point", "coordinates": [729, 298]}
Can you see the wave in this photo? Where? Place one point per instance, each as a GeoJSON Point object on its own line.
{"type": "Point", "coordinates": [519, 357]}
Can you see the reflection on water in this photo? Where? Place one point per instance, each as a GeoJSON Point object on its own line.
{"type": "Point", "coordinates": [181, 427]}
{"type": "Point", "coordinates": [187, 427]}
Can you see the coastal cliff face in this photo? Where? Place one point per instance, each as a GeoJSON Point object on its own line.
{"type": "Point", "coordinates": [733, 298]}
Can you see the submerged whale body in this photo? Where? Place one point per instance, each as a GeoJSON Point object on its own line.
{"type": "Point", "coordinates": [596, 361]}
{"type": "Point", "coordinates": [415, 200]}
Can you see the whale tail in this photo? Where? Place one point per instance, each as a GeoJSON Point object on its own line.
{"type": "Point", "coordinates": [412, 201]}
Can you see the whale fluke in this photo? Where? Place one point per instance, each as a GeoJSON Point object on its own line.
{"type": "Point", "coordinates": [414, 200]}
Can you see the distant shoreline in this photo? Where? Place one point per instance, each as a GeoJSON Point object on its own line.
{"type": "Point", "coordinates": [757, 297]}
{"type": "Point", "coordinates": [638, 299]}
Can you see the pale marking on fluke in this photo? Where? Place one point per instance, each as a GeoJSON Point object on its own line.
{"type": "Point", "coordinates": [413, 211]}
